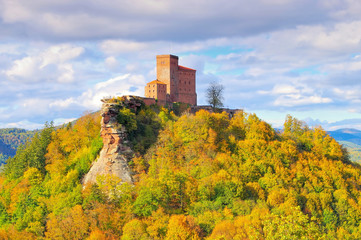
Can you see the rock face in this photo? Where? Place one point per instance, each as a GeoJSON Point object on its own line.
{"type": "Point", "coordinates": [114, 156]}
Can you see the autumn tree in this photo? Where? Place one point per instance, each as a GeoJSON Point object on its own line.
{"type": "Point", "coordinates": [182, 227]}
{"type": "Point", "coordinates": [214, 95]}
{"type": "Point", "coordinates": [201, 176]}
{"type": "Point", "coordinates": [71, 225]}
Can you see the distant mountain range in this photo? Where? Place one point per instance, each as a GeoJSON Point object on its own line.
{"type": "Point", "coordinates": [351, 139]}
{"type": "Point", "coordinates": [347, 134]}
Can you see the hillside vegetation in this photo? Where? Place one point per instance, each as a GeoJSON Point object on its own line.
{"type": "Point", "coordinates": [353, 149]}
{"type": "Point", "coordinates": [10, 140]}
{"type": "Point", "coordinates": [205, 176]}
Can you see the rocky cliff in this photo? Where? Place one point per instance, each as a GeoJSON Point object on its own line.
{"type": "Point", "coordinates": [115, 154]}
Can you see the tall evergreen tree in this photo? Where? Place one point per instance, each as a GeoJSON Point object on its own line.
{"type": "Point", "coordinates": [32, 154]}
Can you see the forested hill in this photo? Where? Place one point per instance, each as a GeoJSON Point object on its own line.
{"type": "Point", "coordinates": [351, 139]}
{"type": "Point", "coordinates": [10, 140]}
{"type": "Point", "coordinates": [202, 176]}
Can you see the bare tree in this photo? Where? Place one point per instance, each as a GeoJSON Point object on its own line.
{"type": "Point", "coordinates": [214, 95]}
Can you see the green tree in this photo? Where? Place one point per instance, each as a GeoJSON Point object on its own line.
{"type": "Point", "coordinates": [31, 154]}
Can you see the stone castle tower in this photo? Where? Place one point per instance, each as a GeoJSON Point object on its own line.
{"type": "Point", "coordinates": [174, 83]}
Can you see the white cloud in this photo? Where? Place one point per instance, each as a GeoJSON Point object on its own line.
{"type": "Point", "coordinates": [285, 89]}
{"type": "Point", "coordinates": [352, 95]}
{"type": "Point", "coordinates": [299, 100]}
{"type": "Point", "coordinates": [148, 49]}
{"type": "Point", "coordinates": [29, 125]}
{"type": "Point", "coordinates": [67, 73]}
{"type": "Point", "coordinates": [342, 36]}
{"type": "Point", "coordinates": [293, 96]}
{"type": "Point", "coordinates": [126, 84]}
{"type": "Point", "coordinates": [61, 121]}
{"type": "Point", "coordinates": [343, 66]}
{"type": "Point", "coordinates": [60, 54]}
{"type": "Point", "coordinates": [123, 46]}
{"type": "Point", "coordinates": [255, 72]}
{"type": "Point", "coordinates": [63, 104]}
{"type": "Point", "coordinates": [25, 124]}
{"type": "Point", "coordinates": [304, 45]}
{"type": "Point", "coordinates": [49, 65]}
{"type": "Point", "coordinates": [117, 86]}
{"type": "Point", "coordinates": [132, 67]}
{"type": "Point", "coordinates": [334, 125]}
{"type": "Point", "coordinates": [22, 68]}
{"type": "Point", "coordinates": [55, 108]}
{"type": "Point", "coordinates": [111, 62]}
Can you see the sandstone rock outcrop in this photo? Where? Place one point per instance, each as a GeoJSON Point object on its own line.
{"type": "Point", "coordinates": [115, 154]}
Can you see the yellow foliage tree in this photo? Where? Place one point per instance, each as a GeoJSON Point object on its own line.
{"type": "Point", "coordinates": [182, 227]}
{"type": "Point", "coordinates": [73, 225]}
{"type": "Point", "coordinates": [135, 230]}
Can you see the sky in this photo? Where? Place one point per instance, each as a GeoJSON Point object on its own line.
{"type": "Point", "coordinates": [274, 57]}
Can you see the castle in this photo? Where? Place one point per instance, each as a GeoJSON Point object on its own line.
{"type": "Point", "coordinates": [174, 83]}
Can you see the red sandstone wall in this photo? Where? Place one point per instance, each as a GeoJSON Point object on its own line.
{"type": "Point", "coordinates": [148, 91]}
{"type": "Point", "coordinates": [161, 92]}
{"type": "Point", "coordinates": [167, 72]}
{"type": "Point", "coordinates": [156, 90]}
{"type": "Point", "coordinates": [187, 86]}
{"type": "Point", "coordinates": [148, 101]}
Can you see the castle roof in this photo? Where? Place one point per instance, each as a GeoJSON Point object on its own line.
{"type": "Point", "coordinates": [185, 68]}
{"type": "Point", "coordinates": [156, 82]}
